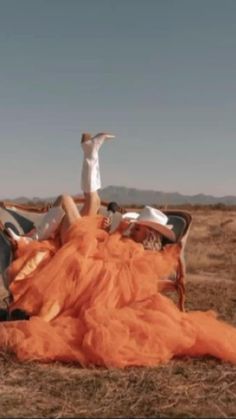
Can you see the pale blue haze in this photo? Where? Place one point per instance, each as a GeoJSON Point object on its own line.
{"type": "Point", "coordinates": [160, 74]}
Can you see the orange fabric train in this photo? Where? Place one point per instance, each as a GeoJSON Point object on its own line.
{"type": "Point", "coordinates": [95, 300]}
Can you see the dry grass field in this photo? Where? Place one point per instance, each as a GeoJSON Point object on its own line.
{"type": "Point", "coordinates": [186, 387]}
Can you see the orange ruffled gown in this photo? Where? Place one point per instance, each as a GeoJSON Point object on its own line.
{"type": "Point", "coordinates": [95, 301]}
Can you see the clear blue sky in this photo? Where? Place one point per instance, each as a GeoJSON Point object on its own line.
{"type": "Point", "coordinates": [159, 74]}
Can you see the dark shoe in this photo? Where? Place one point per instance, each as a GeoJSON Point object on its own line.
{"type": "Point", "coordinates": [19, 314]}
{"type": "Point", "coordinates": [4, 315]}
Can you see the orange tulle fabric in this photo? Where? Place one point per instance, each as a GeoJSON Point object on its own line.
{"type": "Point", "coordinates": [95, 301]}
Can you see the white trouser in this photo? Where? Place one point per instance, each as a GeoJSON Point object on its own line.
{"type": "Point", "coordinates": [90, 176]}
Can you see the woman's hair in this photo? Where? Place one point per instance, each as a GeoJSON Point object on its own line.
{"type": "Point", "coordinates": [153, 240]}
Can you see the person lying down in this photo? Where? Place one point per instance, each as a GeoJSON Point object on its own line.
{"type": "Point", "coordinates": [95, 298]}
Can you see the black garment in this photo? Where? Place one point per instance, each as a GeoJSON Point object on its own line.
{"type": "Point", "coordinates": [16, 314]}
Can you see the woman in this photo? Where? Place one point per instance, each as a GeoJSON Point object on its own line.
{"type": "Point", "coordinates": [94, 297]}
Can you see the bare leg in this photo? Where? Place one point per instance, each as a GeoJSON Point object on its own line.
{"type": "Point", "coordinates": [91, 204]}
{"type": "Point", "coordinates": [72, 214]}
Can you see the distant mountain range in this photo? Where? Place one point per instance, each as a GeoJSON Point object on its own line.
{"type": "Point", "coordinates": [133, 196]}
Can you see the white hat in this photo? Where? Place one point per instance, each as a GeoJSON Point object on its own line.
{"type": "Point", "coordinates": [130, 215]}
{"type": "Point", "coordinates": [154, 218]}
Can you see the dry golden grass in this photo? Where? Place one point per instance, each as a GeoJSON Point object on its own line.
{"type": "Point", "coordinates": [211, 244]}
{"type": "Point", "coordinates": [185, 387]}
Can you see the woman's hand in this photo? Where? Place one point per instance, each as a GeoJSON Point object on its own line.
{"type": "Point", "coordinates": [124, 225]}
{"type": "Point", "coordinates": [106, 223]}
